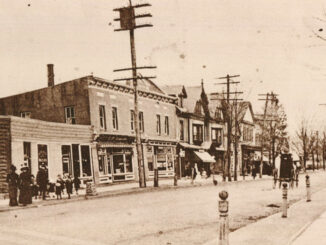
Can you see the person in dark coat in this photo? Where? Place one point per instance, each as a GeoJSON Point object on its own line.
{"type": "Point", "coordinates": [69, 186]}
{"type": "Point", "coordinates": [34, 187]}
{"type": "Point", "coordinates": [25, 183]}
{"type": "Point", "coordinates": [76, 184]}
{"type": "Point", "coordinates": [42, 180]}
{"type": "Point", "coordinates": [254, 172]}
{"type": "Point", "coordinates": [12, 180]}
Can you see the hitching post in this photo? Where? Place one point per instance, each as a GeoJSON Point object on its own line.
{"type": "Point", "coordinates": [308, 188]}
{"type": "Point", "coordinates": [223, 208]}
{"type": "Point", "coordinates": [285, 202]}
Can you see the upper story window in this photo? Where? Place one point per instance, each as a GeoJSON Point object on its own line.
{"type": "Point", "coordinates": [115, 118]}
{"type": "Point", "coordinates": [70, 115]}
{"type": "Point", "coordinates": [158, 124]}
{"type": "Point", "coordinates": [218, 114]}
{"type": "Point", "coordinates": [25, 114]}
{"type": "Point", "coordinates": [132, 120]}
{"type": "Point", "coordinates": [217, 136]}
{"type": "Point", "coordinates": [248, 133]}
{"type": "Point", "coordinates": [102, 116]}
{"type": "Point", "coordinates": [141, 121]}
{"type": "Point", "coordinates": [197, 134]}
{"type": "Point", "coordinates": [181, 130]}
{"type": "Point", "coordinates": [166, 125]}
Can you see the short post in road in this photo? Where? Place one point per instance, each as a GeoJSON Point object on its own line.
{"type": "Point", "coordinates": [285, 200]}
{"type": "Point", "coordinates": [223, 207]}
{"type": "Point", "coordinates": [308, 188]}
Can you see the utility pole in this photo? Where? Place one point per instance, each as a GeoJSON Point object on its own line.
{"type": "Point", "coordinates": [229, 129]}
{"type": "Point", "coordinates": [270, 97]}
{"type": "Point", "coordinates": [317, 152]}
{"type": "Point", "coordinates": [128, 23]}
{"type": "Point", "coordinates": [324, 150]}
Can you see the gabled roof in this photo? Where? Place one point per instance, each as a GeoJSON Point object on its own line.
{"type": "Point", "coordinates": [243, 108]}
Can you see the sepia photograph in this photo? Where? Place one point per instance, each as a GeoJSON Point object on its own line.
{"type": "Point", "coordinates": [162, 122]}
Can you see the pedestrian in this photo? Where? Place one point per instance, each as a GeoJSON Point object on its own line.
{"type": "Point", "coordinates": [25, 183]}
{"type": "Point", "coordinates": [42, 181]}
{"type": "Point", "coordinates": [77, 184]}
{"type": "Point", "coordinates": [12, 180]}
{"type": "Point", "coordinates": [69, 185]}
{"type": "Point", "coordinates": [34, 187]}
{"type": "Point", "coordinates": [253, 171]}
{"type": "Point", "coordinates": [58, 187]}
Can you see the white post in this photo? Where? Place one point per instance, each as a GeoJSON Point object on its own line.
{"type": "Point", "coordinates": [308, 188]}
{"type": "Point", "coordinates": [285, 202]}
{"type": "Point", "coordinates": [223, 207]}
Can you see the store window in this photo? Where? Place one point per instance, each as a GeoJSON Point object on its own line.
{"type": "Point", "coordinates": [42, 155]}
{"type": "Point", "coordinates": [66, 159]}
{"type": "Point", "coordinates": [166, 125]}
{"type": "Point", "coordinates": [76, 160]}
{"type": "Point", "coordinates": [122, 161]}
{"type": "Point", "coordinates": [86, 160]}
{"type": "Point", "coordinates": [115, 118]}
{"type": "Point", "coordinates": [158, 124]}
{"type": "Point", "coordinates": [164, 158]}
{"type": "Point", "coordinates": [27, 155]}
{"type": "Point", "coordinates": [150, 158]}
{"type": "Point", "coordinates": [102, 117]}
{"type": "Point", "coordinates": [70, 115]}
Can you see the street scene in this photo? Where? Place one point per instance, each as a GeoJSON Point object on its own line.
{"type": "Point", "coordinates": [162, 122]}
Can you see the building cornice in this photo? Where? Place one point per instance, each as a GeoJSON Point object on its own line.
{"type": "Point", "coordinates": [109, 85]}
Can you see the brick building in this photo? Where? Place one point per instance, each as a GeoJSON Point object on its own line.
{"type": "Point", "coordinates": [107, 107]}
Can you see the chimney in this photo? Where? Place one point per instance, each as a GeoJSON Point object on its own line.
{"type": "Point", "coordinates": [50, 75]}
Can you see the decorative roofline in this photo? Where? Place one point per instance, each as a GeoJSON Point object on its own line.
{"type": "Point", "coordinates": [102, 83]}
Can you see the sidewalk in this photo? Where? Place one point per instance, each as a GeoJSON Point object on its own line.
{"type": "Point", "coordinates": [127, 188]}
{"type": "Point", "coordinates": [275, 230]}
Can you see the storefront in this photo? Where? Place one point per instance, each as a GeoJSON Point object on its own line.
{"type": "Point", "coordinates": [219, 154]}
{"type": "Point", "coordinates": [116, 158]}
{"type": "Point", "coordinates": [162, 155]}
{"type": "Point", "coordinates": [249, 159]}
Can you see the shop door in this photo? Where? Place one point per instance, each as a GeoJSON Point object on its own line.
{"type": "Point", "coordinates": [86, 160]}
{"type": "Point", "coordinates": [76, 161]}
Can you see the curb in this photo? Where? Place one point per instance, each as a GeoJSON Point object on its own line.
{"type": "Point", "coordinates": [128, 191]}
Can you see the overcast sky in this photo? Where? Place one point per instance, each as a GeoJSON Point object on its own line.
{"type": "Point", "coordinates": [269, 43]}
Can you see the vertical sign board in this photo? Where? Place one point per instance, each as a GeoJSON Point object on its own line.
{"type": "Point", "coordinates": [127, 19]}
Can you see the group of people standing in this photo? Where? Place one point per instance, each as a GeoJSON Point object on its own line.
{"type": "Point", "coordinates": [27, 187]}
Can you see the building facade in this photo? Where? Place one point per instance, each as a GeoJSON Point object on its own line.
{"type": "Point", "coordinates": [106, 107]}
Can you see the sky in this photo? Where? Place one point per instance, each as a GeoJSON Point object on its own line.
{"type": "Point", "coordinates": [270, 44]}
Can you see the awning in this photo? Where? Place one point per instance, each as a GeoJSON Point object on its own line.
{"type": "Point", "coordinates": [204, 156]}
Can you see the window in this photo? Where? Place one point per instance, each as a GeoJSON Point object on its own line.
{"type": "Point", "coordinates": [102, 117]}
{"type": "Point", "coordinates": [25, 114]}
{"type": "Point", "coordinates": [217, 136]}
{"type": "Point", "coordinates": [42, 155]}
{"type": "Point", "coordinates": [197, 133]}
{"type": "Point", "coordinates": [248, 133]}
{"type": "Point", "coordinates": [27, 154]}
{"type": "Point", "coordinates": [66, 159]}
{"type": "Point", "coordinates": [122, 161]}
{"type": "Point", "coordinates": [86, 160]}
{"type": "Point", "coordinates": [158, 124]}
{"type": "Point", "coordinates": [132, 120]}
{"type": "Point", "coordinates": [70, 115]}
{"type": "Point", "coordinates": [115, 118]}
{"type": "Point", "coordinates": [181, 130]}
{"type": "Point", "coordinates": [141, 122]}
{"type": "Point", "coordinates": [166, 125]}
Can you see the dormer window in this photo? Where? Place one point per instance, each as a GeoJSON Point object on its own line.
{"type": "Point", "coordinates": [25, 114]}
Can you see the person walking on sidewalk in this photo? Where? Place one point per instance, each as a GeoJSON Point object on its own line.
{"type": "Point", "coordinates": [12, 180]}
{"type": "Point", "coordinates": [42, 180]}
{"type": "Point", "coordinates": [25, 183]}
{"type": "Point", "coordinates": [69, 185]}
{"type": "Point", "coordinates": [77, 184]}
